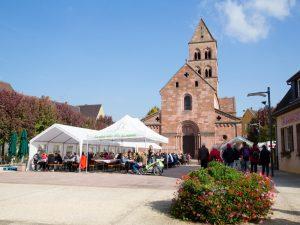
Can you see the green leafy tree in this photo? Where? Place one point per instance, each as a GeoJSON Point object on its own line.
{"type": "Point", "coordinates": [153, 110]}
{"type": "Point", "coordinates": [47, 114]}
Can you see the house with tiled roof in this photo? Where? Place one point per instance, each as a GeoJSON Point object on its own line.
{"type": "Point", "coordinates": [249, 115]}
{"type": "Point", "coordinates": [91, 111]}
{"type": "Point", "coordinates": [287, 114]}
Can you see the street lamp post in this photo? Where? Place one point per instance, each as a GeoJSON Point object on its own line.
{"type": "Point", "coordinates": [267, 94]}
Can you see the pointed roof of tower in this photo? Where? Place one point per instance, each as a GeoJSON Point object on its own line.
{"type": "Point", "coordinates": [202, 34]}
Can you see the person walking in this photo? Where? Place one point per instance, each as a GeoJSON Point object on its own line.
{"type": "Point", "coordinates": [245, 155]}
{"type": "Point", "coordinates": [203, 156]}
{"type": "Point", "coordinates": [215, 154]}
{"type": "Point", "coordinates": [228, 156]}
{"type": "Point", "coordinates": [236, 153]}
{"type": "Point", "coordinates": [254, 157]}
{"type": "Point", "coordinates": [264, 159]}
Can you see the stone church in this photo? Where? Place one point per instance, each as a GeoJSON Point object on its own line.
{"type": "Point", "coordinates": [192, 112]}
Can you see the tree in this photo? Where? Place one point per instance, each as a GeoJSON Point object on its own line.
{"type": "Point", "coordinates": [258, 131]}
{"type": "Point", "coordinates": [18, 112]}
{"type": "Point", "coordinates": [47, 114]}
{"type": "Point", "coordinates": [103, 122]}
{"type": "Point", "coordinates": [66, 114]}
{"type": "Point", "coordinates": [153, 110]}
{"type": "Point", "coordinates": [10, 115]}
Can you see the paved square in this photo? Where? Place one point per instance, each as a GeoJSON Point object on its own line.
{"type": "Point", "coordinates": [112, 198]}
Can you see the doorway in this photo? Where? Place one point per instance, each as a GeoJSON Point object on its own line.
{"type": "Point", "coordinates": [190, 138]}
{"type": "Point", "coordinates": [189, 145]}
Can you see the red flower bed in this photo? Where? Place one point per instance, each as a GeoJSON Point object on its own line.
{"type": "Point", "coordinates": [222, 195]}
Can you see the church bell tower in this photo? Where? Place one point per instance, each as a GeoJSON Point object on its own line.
{"type": "Point", "coordinates": [203, 54]}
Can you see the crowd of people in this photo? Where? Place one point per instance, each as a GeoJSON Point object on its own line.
{"type": "Point", "coordinates": [131, 160]}
{"type": "Point", "coordinates": [244, 158]}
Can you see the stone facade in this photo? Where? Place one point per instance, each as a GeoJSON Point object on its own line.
{"type": "Point", "coordinates": [191, 111]}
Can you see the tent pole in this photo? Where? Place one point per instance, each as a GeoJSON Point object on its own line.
{"type": "Point", "coordinates": [80, 154]}
{"type": "Point", "coordinates": [167, 158]}
{"type": "Point", "coordinates": [146, 149]}
{"type": "Point", "coordinates": [87, 156]}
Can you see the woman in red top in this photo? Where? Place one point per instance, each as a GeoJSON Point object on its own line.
{"type": "Point", "coordinates": [254, 157]}
{"type": "Point", "coordinates": [215, 155]}
{"type": "Point", "coordinates": [43, 161]}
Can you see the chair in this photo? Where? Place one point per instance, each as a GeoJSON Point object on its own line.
{"type": "Point", "coordinates": [92, 166]}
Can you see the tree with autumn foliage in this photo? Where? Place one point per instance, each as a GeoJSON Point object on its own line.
{"type": "Point", "coordinates": [259, 129]}
{"type": "Point", "coordinates": [103, 121]}
{"type": "Point", "coordinates": [18, 112]}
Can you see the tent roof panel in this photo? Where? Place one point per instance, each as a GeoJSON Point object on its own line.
{"type": "Point", "coordinates": [129, 129]}
{"type": "Point", "coordinates": [59, 133]}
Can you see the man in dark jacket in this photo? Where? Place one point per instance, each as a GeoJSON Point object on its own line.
{"type": "Point", "coordinates": [228, 156]}
{"type": "Point", "coordinates": [245, 153]}
{"type": "Point", "coordinates": [264, 158]}
{"type": "Point", "coordinates": [203, 156]}
{"type": "Point", "coordinates": [254, 157]}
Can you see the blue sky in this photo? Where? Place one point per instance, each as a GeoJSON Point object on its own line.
{"type": "Point", "coordinates": [121, 53]}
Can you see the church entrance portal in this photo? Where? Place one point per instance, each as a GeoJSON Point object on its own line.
{"type": "Point", "coordinates": [190, 138]}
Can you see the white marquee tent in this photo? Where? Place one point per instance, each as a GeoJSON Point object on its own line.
{"type": "Point", "coordinates": [128, 129]}
{"type": "Point", "coordinates": [61, 136]}
{"type": "Point", "coordinates": [236, 140]}
{"type": "Point", "coordinates": [127, 132]}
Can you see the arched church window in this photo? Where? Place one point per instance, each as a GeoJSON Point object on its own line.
{"type": "Point", "coordinates": [197, 54]}
{"type": "Point", "coordinates": [187, 102]}
{"type": "Point", "coordinates": [208, 72]}
{"type": "Point", "coordinates": [207, 53]}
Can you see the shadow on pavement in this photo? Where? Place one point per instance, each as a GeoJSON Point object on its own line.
{"type": "Point", "coordinates": [284, 179]}
{"type": "Point", "coordinates": [290, 212]}
{"type": "Point", "coordinates": [9, 222]}
{"type": "Point", "coordinates": [279, 222]}
{"type": "Point", "coordinates": [161, 206]}
{"type": "Point", "coordinates": [178, 172]}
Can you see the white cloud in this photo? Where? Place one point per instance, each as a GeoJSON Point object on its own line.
{"type": "Point", "coordinates": [275, 8]}
{"type": "Point", "coordinates": [249, 21]}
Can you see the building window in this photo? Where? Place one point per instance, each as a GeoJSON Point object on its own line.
{"type": "Point", "coordinates": [197, 54]}
{"type": "Point", "coordinates": [198, 69]}
{"type": "Point", "coordinates": [187, 102]}
{"type": "Point", "coordinates": [186, 74]}
{"type": "Point", "coordinates": [287, 139]}
{"type": "Point", "coordinates": [298, 139]}
{"type": "Point", "coordinates": [177, 84]}
{"type": "Point", "coordinates": [208, 72]}
{"type": "Point", "coordinates": [207, 53]}
{"type": "Point", "coordinates": [196, 83]}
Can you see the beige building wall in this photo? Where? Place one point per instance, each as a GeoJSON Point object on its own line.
{"type": "Point", "coordinates": [291, 164]}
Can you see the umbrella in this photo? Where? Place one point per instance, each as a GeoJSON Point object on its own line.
{"type": "Point", "coordinates": [12, 149]}
{"type": "Point", "coordinates": [23, 150]}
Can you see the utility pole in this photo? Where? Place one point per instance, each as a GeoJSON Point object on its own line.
{"type": "Point", "coordinates": [270, 130]}
{"type": "Point", "coordinates": [267, 94]}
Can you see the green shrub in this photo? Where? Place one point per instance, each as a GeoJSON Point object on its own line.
{"type": "Point", "coordinates": [222, 195]}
